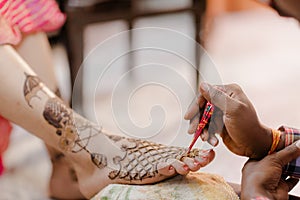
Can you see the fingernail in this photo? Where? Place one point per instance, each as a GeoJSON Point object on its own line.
{"type": "Point", "coordinates": [298, 144]}
{"type": "Point", "coordinates": [204, 86]}
{"type": "Point", "coordinates": [202, 137]}
{"type": "Point", "coordinates": [171, 168]}
{"type": "Point", "coordinates": [213, 141]}
{"type": "Point", "coordinates": [185, 167]}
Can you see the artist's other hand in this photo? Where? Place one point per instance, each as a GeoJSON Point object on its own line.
{"type": "Point", "coordinates": [234, 118]}
{"type": "Point", "coordinates": [287, 8]}
{"type": "Point", "coordinates": [264, 178]}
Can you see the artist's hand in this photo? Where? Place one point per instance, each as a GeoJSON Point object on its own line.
{"type": "Point", "coordinates": [234, 119]}
{"type": "Point", "coordinates": [288, 8]}
{"type": "Point", "coordinates": [264, 178]}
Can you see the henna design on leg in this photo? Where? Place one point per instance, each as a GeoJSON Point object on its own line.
{"type": "Point", "coordinates": [56, 157]}
{"type": "Point", "coordinates": [57, 92]}
{"type": "Point", "coordinates": [73, 175]}
{"type": "Point", "coordinates": [61, 117]}
{"type": "Point", "coordinates": [57, 114]}
{"type": "Point", "coordinates": [31, 87]}
{"type": "Point", "coordinates": [73, 137]}
{"type": "Point", "coordinates": [99, 160]}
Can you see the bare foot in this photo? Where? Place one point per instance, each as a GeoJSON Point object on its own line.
{"type": "Point", "coordinates": [63, 182]}
{"type": "Point", "coordinates": [100, 158]}
{"type": "Point", "coordinates": [130, 161]}
{"type": "Point", "coordinates": [143, 163]}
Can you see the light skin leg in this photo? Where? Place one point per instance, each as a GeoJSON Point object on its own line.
{"type": "Point", "coordinates": [98, 158]}
{"type": "Point", "coordinates": [63, 182]}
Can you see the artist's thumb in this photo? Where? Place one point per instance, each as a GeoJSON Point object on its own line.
{"type": "Point", "coordinates": [289, 153]}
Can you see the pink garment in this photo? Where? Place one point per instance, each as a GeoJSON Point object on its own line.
{"type": "Point", "coordinates": [27, 16]}
{"type": "Point", "coordinates": [5, 130]}
{"type": "Point", "coordinates": [1, 166]}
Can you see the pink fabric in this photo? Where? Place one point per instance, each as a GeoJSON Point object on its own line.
{"type": "Point", "coordinates": [27, 16]}
{"type": "Point", "coordinates": [5, 130]}
{"type": "Point", "coordinates": [1, 166]}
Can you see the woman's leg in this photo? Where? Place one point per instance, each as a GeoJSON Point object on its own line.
{"type": "Point", "coordinates": [36, 51]}
{"type": "Point", "coordinates": [98, 158]}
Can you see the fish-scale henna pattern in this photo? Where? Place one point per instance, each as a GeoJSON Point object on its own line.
{"type": "Point", "coordinates": [140, 162]}
{"type": "Point", "coordinates": [57, 114]}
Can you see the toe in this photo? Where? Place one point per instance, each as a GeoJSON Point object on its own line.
{"type": "Point", "coordinates": [173, 167]}
{"type": "Point", "coordinates": [166, 169]}
{"type": "Point", "coordinates": [205, 157]}
{"type": "Point", "coordinates": [193, 164]}
{"type": "Point", "coordinates": [180, 167]}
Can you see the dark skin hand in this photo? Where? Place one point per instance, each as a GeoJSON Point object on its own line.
{"type": "Point", "coordinates": [289, 8]}
{"type": "Point", "coordinates": [234, 118]}
{"type": "Point", "coordinates": [264, 178]}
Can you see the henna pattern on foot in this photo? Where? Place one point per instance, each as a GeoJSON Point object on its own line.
{"type": "Point", "coordinates": [99, 160]}
{"type": "Point", "coordinates": [141, 158]}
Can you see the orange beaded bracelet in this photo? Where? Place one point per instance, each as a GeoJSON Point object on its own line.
{"type": "Point", "coordinates": [276, 138]}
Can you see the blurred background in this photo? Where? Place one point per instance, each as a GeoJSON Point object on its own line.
{"type": "Point", "coordinates": [139, 83]}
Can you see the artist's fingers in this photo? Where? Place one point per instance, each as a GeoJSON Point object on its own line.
{"type": "Point", "coordinates": [194, 124]}
{"type": "Point", "coordinates": [224, 97]}
{"type": "Point", "coordinates": [205, 135]}
{"type": "Point", "coordinates": [288, 154]}
{"type": "Point", "coordinates": [193, 109]}
{"type": "Point", "coordinates": [214, 95]}
{"type": "Point", "coordinates": [217, 121]}
{"type": "Point", "coordinates": [215, 125]}
{"type": "Point", "coordinates": [291, 183]}
{"type": "Point", "coordinates": [284, 187]}
{"type": "Point", "coordinates": [193, 164]}
{"type": "Point", "coordinates": [209, 137]}
{"type": "Point", "coordinates": [213, 140]}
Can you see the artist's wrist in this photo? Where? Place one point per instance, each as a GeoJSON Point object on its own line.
{"type": "Point", "coordinates": [263, 143]}
{"type": "Point", "coordinates": [269, 140]}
